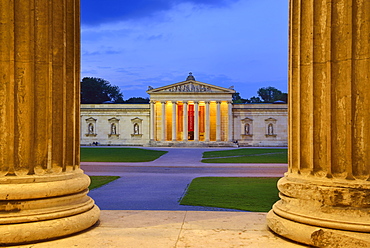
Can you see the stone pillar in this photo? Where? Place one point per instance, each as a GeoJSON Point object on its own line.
{"type": "Point", "coordinates": [152, 120]}
{"type": "Point", "coordinates": [185, 122]}
{"type": "Point", "coordinates": [325, 193]}
{"type": "Point", "coordinates": [230, 121]}
{"type": "Point", "coordinates": [196, 121]}
{"type": "Point", "coordinates": [163, 126]}
{"type": "Point", "coordinates": [218, 121]}
{"type": "Point", "coordinates": [207, 124]}
{"type": "Point", "coordinates": [43, 193]}
{"type": "Point", "coordinates": [174, 123]}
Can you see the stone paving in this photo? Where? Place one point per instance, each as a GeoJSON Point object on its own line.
{"type": "Point", "coordinates": [168, 229]}
{"type": "Point", "coordinates": [174, 229]}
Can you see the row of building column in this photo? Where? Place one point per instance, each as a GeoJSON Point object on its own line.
{"type": "Point", "coordinates": [185, 121]}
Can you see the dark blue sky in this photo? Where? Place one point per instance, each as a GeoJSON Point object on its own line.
{"type": "Point", "coordinates": [136, 44]}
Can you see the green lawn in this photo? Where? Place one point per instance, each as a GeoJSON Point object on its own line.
{"type": "Point", "coordinates": [119, 154]}
{"type": "Point", "coordinates": [245, 193]}
{"type": "Point", "coordinates": [98, 181]}
{"type": "Point", "coordinates": [247, 155]}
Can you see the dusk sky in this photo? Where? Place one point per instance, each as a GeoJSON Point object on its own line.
{"type": "Point", "coordinates": [140, 43]}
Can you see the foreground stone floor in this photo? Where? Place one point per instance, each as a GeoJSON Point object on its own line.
{"type": "Point", "coordinates": [162, 229]}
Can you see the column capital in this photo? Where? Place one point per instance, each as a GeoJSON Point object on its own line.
{"type": "Point", "coordinates": [152, 101]}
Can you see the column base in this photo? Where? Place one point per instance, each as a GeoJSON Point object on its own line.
{"type": "Point", "coordinates": [42, 207]}
{"type": "Point", "coordinates": [322, 212]}
{"type": "Point", "coordinates": [315, 235]}
{"type": "Point", "coordinates": [48, 229]}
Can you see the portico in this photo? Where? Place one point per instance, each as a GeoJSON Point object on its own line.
{"type": "Point", "coordinates": [191, 112]}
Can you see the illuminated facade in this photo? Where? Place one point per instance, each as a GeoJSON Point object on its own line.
{"type": "Point", "coordinates": [188, 113]}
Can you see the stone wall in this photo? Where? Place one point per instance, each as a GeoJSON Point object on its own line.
{"type": "Point", "coordinates": [260, 124]}
{"type": "Point", "coordinates": [114, 124]}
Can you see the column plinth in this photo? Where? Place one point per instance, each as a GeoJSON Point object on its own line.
{"type": "Point", "coordinates": [325, 193]}
{"type": "Point", "coordinates": [43, 193]}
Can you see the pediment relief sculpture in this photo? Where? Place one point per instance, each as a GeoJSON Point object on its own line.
{"type": "Point", "coordinates": [190, 87]}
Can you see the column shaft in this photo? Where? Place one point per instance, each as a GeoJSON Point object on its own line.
{"type": "Point", "coordinates": [208, 123]}
{"type": "Point", "coordinates": [43, 187]}
{"type": "Point", "coordinates": [329, 129]}
{"type": "Point", "coordinates": [218, 121]}
{"type": "Point", "coordinates": [152, 120]}
{"type": "Point", "coordinates": [196, 121]}
{"type": "Point", "coordinates": [230, 121]}
{"type": "Point", "coordinates": [163, 126]}
{"type": "Point", "coordinates": [185, 120]}
{"type": "Point", "coordinates": [174, 123]}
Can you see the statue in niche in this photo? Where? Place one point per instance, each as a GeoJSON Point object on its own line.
{"type": "Point", "coordinates": [113, 128]}
{"type": "Point", "coordinates": [247, 129]}
{"type": "Point", "coordinates": [136, 128]}
{"type": "Point", "coordinates": [90, 129]}
{"type": "Point", "coordinates": [270, 129]}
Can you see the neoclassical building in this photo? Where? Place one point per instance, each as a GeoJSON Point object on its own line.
{"type": "Point", "coordinates": [188, 113]}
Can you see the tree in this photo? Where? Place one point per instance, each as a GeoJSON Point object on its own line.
{"type": "Point", "coordinates": [270, 94]}
{"type": "Point", "coordinates": [237, 98]}
{"type": "Point", "coordinates": [284, 97]}
{"type": "Point", "coordinates": [137, 100]}
{"type": "Point", "coordinates": [254, 99]}
{"type": "Point", "coordinates": [98, 90]}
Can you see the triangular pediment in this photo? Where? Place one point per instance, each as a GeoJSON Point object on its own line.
{"type": "Point", "coordinates": [190, 86]}
{"type": "Point", "coordinates": [271, 120]}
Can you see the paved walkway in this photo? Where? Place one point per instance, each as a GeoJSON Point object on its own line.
{"type": "Point", "coordinates": [160, 184]}
{"type": "Point", "coordinates": [168, 229]}
{"type": "Point", "coordinates": [174, 229]}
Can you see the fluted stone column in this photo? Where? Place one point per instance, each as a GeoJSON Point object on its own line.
{"type": "Point", "coordinates": [43, 191]}
{"type": "Point", "coordinates": [196, 121]}
{"type": "Point", "coordinates": [152, 120]}
{"type": "Point", "coordinates": [163, 124]}
{"type": "Point", "coordinates": [218, 121]}
{"type": "Point", "coordinates": [230, 121]}
{"type": "Point", "coordinates": [325, 193]}
{"type": "Point", "coordinates": [174, 124]}
{"type": "Point", "coordinates": [185, 122]}
{"type": "Point", "coordinates": [207, 124]}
